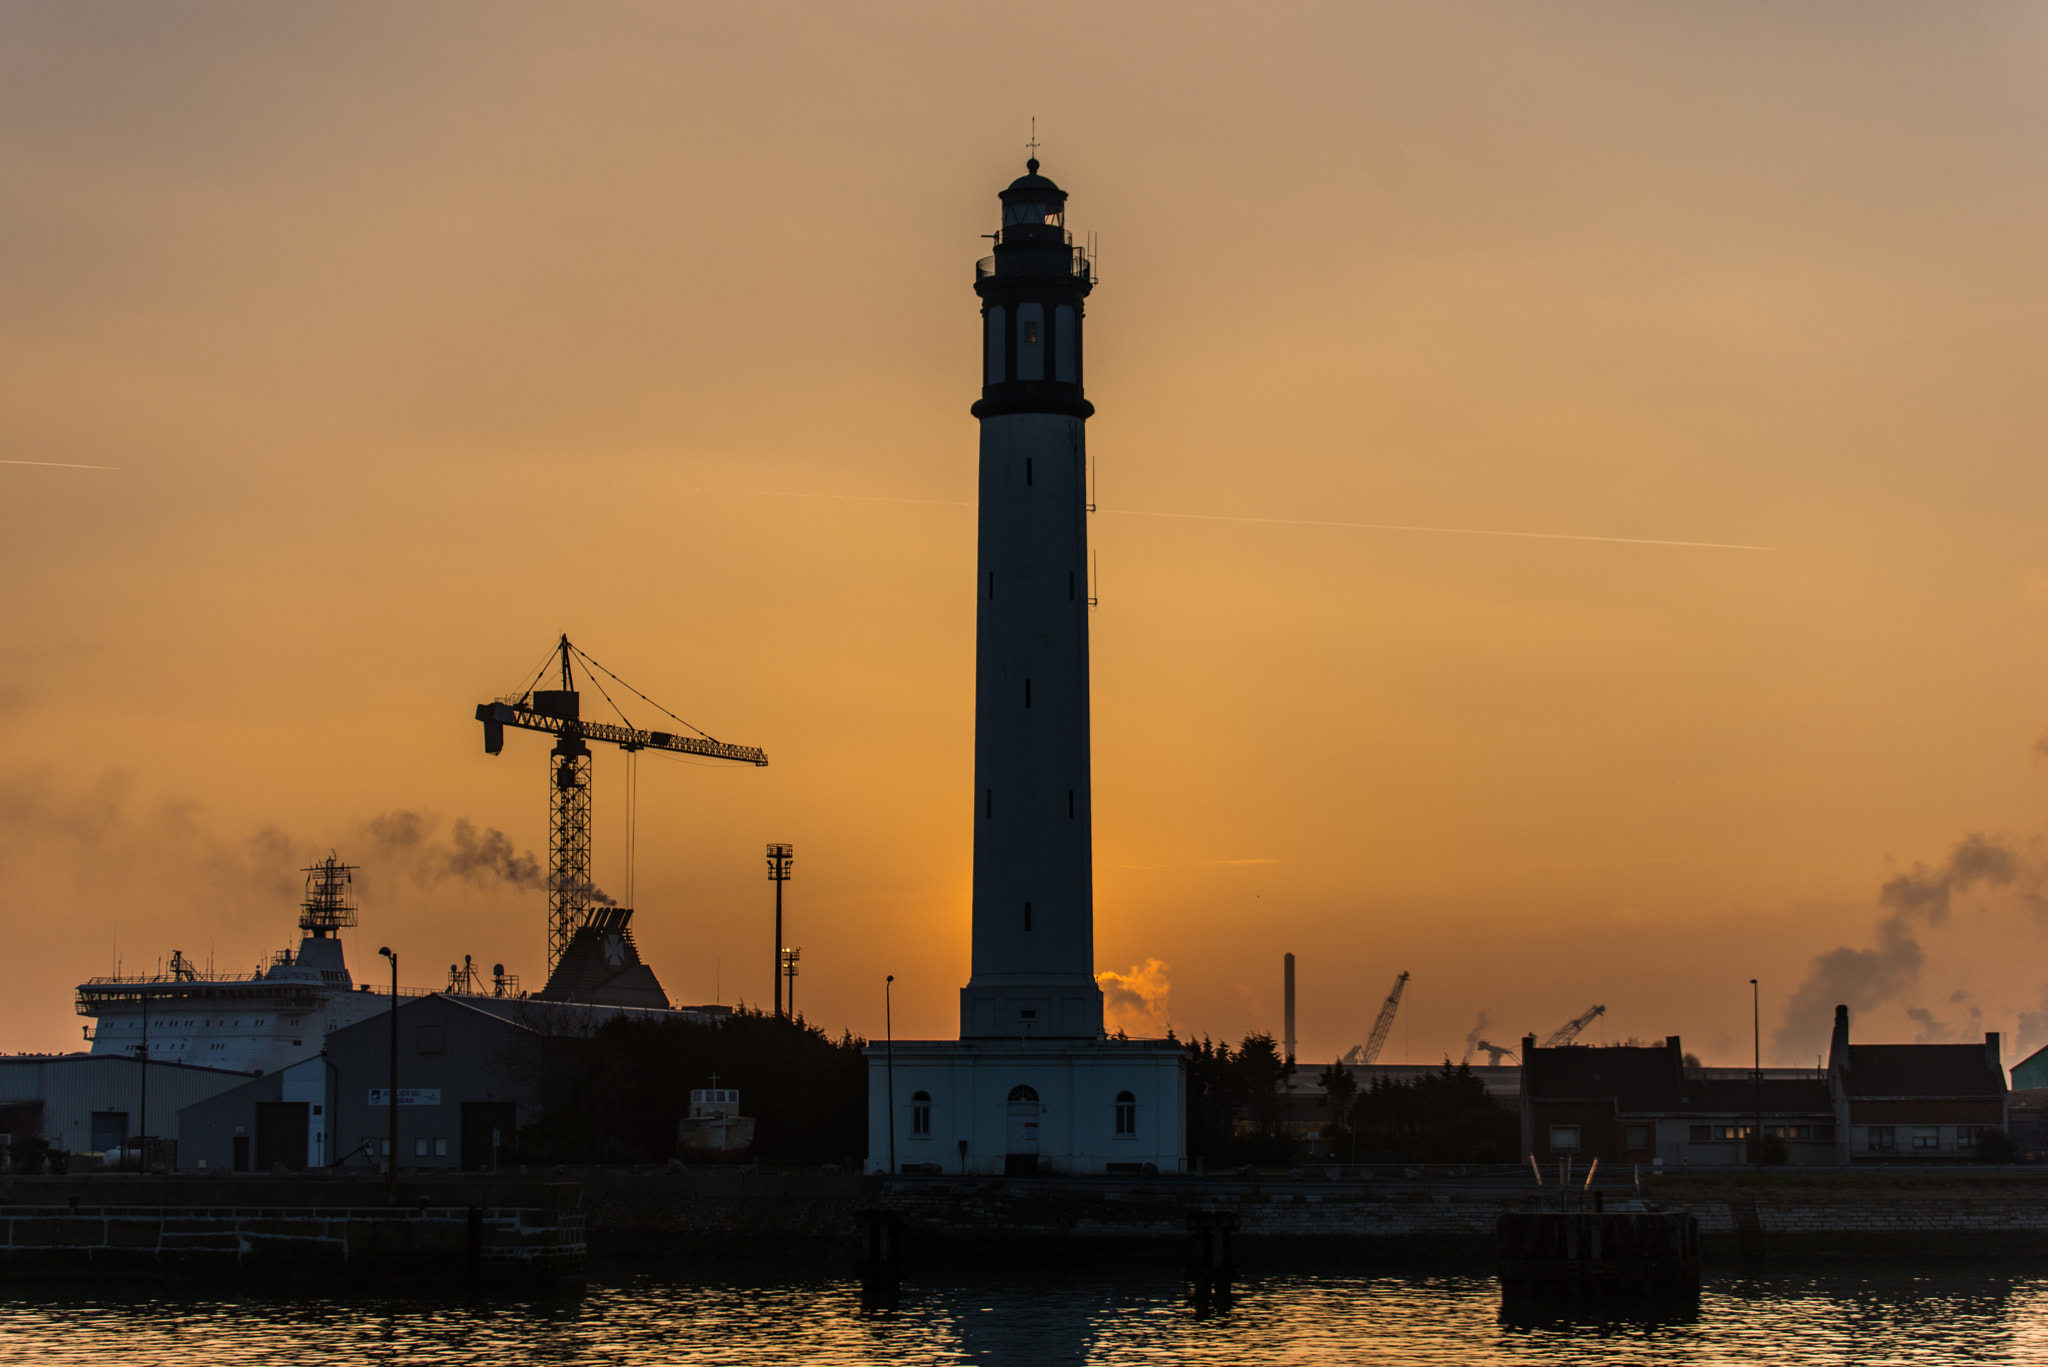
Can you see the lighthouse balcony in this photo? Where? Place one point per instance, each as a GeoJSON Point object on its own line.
{"type": "Point", "coordinates": [1054, 261]}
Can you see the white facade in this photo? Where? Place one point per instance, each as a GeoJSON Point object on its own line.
{"type": "Point", "coordinates": [1033, 1084]}
{"type": "Point", "coordinates": [994, 1106]}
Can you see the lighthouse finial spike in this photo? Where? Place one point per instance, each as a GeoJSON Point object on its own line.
{"type": "Point", "coordinates": [1032, 165]}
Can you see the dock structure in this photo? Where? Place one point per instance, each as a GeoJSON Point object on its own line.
{"type": "Point", "coordinates": [1596, 1251]}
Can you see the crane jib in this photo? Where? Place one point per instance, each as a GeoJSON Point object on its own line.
{"type": "Point", "coordinates": [496, 716]}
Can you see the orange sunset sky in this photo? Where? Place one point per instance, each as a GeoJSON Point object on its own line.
{"type": "Point", "coordinates": [420, 334]}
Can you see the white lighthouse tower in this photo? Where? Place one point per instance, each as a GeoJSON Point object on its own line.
{"type": "Point", "coordinates": [1033, 1084]}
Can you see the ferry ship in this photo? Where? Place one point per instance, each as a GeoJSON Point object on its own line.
{"type": "Point", "coordinates": [283, 1012]}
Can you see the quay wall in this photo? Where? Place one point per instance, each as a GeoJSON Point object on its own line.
{"type": "Point", "coordinates": [541, 1229]}
{"type": "Point", "coordinates": [662, 1214]}
{"type": "Point", "coordinates": [291, 1230]}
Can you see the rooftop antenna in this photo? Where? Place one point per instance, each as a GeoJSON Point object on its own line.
{"type": "Point", "coordinates": [1033, 144]}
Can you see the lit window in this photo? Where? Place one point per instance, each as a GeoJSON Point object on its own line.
{"type": "Point", "coordinates": [921, 1114]}
{"type": "Point", "coordinates": [1126, 1115]}
{"type": "Point", "coordinates": [1030, 331]}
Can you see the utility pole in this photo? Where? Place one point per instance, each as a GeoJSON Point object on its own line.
{"type": "Point", "coordinates": [780, 857]}
{"type": "Point", "coordinates": [889, 1052]}
{"type": "Point", "coordinates": [1756, 1035]}
{"type": "Point", "coordinates": [391, 1167]}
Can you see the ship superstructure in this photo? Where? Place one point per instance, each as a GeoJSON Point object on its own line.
{"type": "Point", "coordinates": [255, 1024]}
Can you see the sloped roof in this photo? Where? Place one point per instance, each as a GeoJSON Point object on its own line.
{"type": "Point", "coordinates": [1945, 1070]}
{"type": "Point", "coordinates": [1639, 1079]}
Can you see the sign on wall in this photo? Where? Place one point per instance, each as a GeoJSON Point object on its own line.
{"type": "Point", "coordinates": [407, 1096]}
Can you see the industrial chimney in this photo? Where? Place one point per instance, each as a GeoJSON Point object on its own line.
{"type": "Point", "coordinates": [1289, 1023]}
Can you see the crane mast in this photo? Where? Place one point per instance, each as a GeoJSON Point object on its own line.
{"type": "Point", "coordinates": [558, 712]}
{"type": "Point", "coordinates": [1369, 1052]}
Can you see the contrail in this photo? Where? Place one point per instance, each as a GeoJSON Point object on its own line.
{"type": "Point", "coordinates": [60, 464]}
{"type": "Point", "coordinates": [1445, 531]}
{"type": "Point", "coordinates": [1272, 521]}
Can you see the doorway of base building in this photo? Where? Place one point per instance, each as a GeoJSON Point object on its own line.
{"type": "Point", "coordinates": [1021, 1160]}
{"type": "Point", "coordinates": [487, 1134]}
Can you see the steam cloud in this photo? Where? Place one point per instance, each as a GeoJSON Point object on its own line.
{"type": "Point", "coordinates": [1478, 1029]}
{"type": "Point", "coordinates": [1136, 1002]}
{"type": "Point", "coordinates": [1921, 897]}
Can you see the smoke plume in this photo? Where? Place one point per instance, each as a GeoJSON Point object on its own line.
{"type": "Point", "coordinates": [1135, 1003]}
{"type": "Point", "coordinates": [1478, 1029]}
{"type": "Point", "coordinates": [1919, 898]}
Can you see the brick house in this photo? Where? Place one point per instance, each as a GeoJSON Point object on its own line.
{"type": "Point", "coordinates": [1913, 1102]}
{"type": "Point", "coordinates": [1637, 1105]}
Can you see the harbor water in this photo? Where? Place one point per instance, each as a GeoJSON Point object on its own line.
{"type": "Point", "coordinates": [1866, 1316]}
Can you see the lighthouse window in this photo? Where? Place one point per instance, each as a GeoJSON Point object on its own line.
{"type": "Point", "coordinates": [921, 1114]}
{"type": "Point", "coordinates": [1070, 804]}
{"type": "Point", "coordinates": [1027, 692]}
{"type": "Point", "coordinates": [1126, 1115]}
{"type": "Point", "coordinates": [1027, 925]}
{"type": "Point", "coordinates": [1027, 469]}
{"type": "Point", "coordinates": [1030, 344]}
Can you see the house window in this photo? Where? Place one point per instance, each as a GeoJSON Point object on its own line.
{"type": "Point", "coordinates": [1966, 1137]}
{"type": "Point", "coordinates": [1824, 1132]}
{"type": "Point", "coordinates": [921, 1115]}
{"type": "Point", "coordinates": [1701, 1134]}
{"type": "Point", "coordinates": [440, 1148]}
{"type": "Point", "coordinates": [1729, 1132]}
{"type": "Point", "coordinates": [1126, 1115]}
{"type": "Point", "coordinates": [1883, 1138]}
{"type": "Point", "coordinates": [1564, 1139]}
{"type": "Point", "coordinates": [1636, 1138]}
{"type": "Point", "coordinates": [419, 1148]}
{"type": "Point", "coordinates": [1926, 1139]}
{"type": "Point", "coordinates": [1789, 1131]}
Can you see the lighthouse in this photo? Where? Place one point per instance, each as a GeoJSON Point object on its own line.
{"type": "Point", "coordinates": [1034, 899]}
{"type": "Point", "coordinates": [1033, 1085]}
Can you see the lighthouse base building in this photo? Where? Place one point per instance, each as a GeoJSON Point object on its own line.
{"type": "Point", "coordinates": [1034, 1083]}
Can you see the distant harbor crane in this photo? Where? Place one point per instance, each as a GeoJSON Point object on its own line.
{"type": "Point", "coordinates": [1569, 1031]}
{"type": "Point", "coordinates": [1369, 1051]}
{"type": "Point", "coordinates": [557, 711]}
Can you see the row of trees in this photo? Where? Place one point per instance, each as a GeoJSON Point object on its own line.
{"type": "Point", "coordinates": [1238, 1111]}
{"type": "Point", "coordinates": [614, 1095]}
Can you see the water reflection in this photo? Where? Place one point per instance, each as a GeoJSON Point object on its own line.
{"type": "Point", "coordinates": [1085, 1314]}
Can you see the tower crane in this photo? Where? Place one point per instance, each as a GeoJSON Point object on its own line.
{"type": "Point", "coordinates": [1381, 1028]}
{"type": "Point", "coordinates": [557, 712]}
{"type": "Point", "coordinates": [1569, 1031]}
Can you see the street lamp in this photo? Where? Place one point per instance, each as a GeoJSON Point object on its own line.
{"type": "Point", "coordinates": [889, 1053]}
{"type": "Point", "coordinates": [391, 1165]}
{"type": "Point", "coordinates": [1756, 1037]}
{"type": "Point", "coordinates": [780, 857]}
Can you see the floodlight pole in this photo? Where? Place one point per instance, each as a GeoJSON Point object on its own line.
{"type": "Point", "coordinates": [780, 857]}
